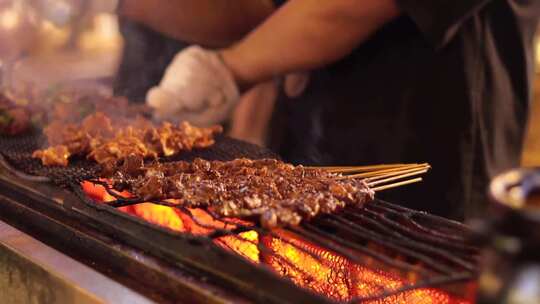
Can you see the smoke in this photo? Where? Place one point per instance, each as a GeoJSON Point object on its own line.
{"type": "Point", "coordinates": [49, 45]}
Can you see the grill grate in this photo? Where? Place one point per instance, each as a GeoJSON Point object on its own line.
{"type": "Point", "coordinates": [414, 250]}
{"type": "Point", "coordinates": [410, 243]}
{"type": "Point", "coordinates": [17, 152]}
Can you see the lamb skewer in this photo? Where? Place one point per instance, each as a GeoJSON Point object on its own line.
{"type": "Point", "coordinates": [277, 193]}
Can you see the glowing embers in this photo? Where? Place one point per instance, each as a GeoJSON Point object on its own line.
{"type": "Point", "coordinates": [194, 221]}
{"type": "Point", "coordinates": [307, 265]}
{"type": "Point", "coordinates": [245, 246]}
{"type": "Point", "coordinates": [324, 272]}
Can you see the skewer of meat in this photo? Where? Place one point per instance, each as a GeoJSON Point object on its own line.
{"type": "Point", "coordinates": [276, 193]}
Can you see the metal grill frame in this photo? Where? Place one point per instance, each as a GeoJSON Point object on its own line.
{"type": "Point", "coordinates": [16, 156]}
{"type": "Point", "coordinates": [184, 251]}
{"type": "Point", "coordinates": [396, 239]}
{"type": "Point", "coordinates": [259, 282]}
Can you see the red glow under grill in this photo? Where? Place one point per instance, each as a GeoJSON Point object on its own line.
{"type": "Point", "coordinates": [331, 275]}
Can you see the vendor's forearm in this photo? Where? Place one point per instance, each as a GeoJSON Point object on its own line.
{"type": "Point", "coordinates": [212, 23]}
{"type": "Point", "coordinates": [307, 34]}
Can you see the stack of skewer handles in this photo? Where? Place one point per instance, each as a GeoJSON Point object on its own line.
{"type": "Point", "coordinates": [381, 177]}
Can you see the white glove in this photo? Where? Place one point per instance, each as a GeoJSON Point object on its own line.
{"type": "Point", "coordinates": [197, 87]}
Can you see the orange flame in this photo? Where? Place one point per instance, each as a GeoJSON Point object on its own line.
{"type": "Point", "coordinates": [330, 274]}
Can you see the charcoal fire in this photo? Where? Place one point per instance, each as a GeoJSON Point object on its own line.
{"type": "Point", "coordinates": [308, 265]}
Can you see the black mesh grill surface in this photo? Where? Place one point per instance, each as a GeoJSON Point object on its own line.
{"type": "Point", "coordinates": [18, 150]}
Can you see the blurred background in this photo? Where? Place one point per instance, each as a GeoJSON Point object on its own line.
{"type": "Point", "coordinates": [83, 36]}
{"type": "Point", "coordinates": [531, 157]}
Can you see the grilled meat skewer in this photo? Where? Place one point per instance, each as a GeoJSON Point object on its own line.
{"type": "Point", "coordinates": [279, 194]}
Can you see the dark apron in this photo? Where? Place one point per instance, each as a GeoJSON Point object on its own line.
{"type": "Point", "coordinates": [145, 57]}
{"type": "Point", "coordinates": [396, 100]}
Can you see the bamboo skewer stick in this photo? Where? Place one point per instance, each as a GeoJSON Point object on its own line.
{"type": "Point", "coordinates": [362, 170]}
{"type": "Point", "coordinates": [395, 185]}
{"type": "Point", "coordinates": [383, 172]}
{"type": "Point", "coordinates": [378, 176]}
{"type": "Point", "coordinates": [390, 171]}
{"type": "Point", "coordinates": [359, 167]}
{"type": "Point", "coordinates": [395, 178]}
{"type": "Point", "coordinates": [366, 168]}
{"type": "Point", "coordinates": [387, 175]}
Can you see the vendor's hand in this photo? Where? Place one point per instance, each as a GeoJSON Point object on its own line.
{"type": "Point", "coordinates": [197, 87]}
{"type": "Point", "coordinates": [295, 84]}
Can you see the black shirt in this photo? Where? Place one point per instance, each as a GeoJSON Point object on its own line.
{"type": "Point", "coordinates": [146, 55]}
{"type": "Point", "coordinates": [447, 83]}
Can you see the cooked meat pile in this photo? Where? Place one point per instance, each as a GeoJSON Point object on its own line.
{"type": "Point", "coordinates": [107, 141]}
{"type": "Point", "coordinates": [75, 125]}
{"type": "Point", "coordinates": [276, 193]}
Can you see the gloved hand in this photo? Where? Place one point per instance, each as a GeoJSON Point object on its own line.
{"type": "Point", "coordinates": [197, 87]}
